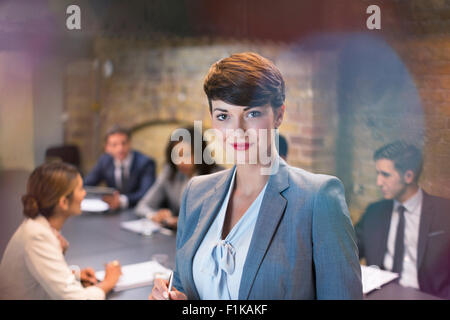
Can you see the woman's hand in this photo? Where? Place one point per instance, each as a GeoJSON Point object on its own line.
{"type": "Point", "coordinates": [87, 277]}
{"type": "Point", "coordinates": [159, 291]}
{"type": "Point", "coordinates": [113, 271]}
{"type": "Point", "coordinates": [162, 215]}
{"type": "Point", "coordinates": [113, 200]}
{"type": "Point", "coordinates": [171, 222]}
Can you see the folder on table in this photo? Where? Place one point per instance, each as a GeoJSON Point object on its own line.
{"type": "Point", "coordinates": [145, 227]}
{"type": "Point", "coordinates": [142, 226]}
{"type": "Point", "coordinates": [138, 275]}
{"type": "Point", "coordinates": [99, 190]}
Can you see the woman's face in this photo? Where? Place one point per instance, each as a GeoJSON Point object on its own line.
{"type": "Point", "coordinates": [246, 131]}
{"type": "Point", "coordinates": [75, 200]}
{"type": "Point", "coordinates": [118, 145]}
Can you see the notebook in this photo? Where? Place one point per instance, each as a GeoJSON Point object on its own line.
{"type": "Point", "coordinates": [145, 227]}
{"type": "Point", "coordinates": [138, 275]}
{"type": "Point", "coordinates": [142, 226]}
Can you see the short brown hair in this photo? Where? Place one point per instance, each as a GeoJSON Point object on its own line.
{"type": "Point", "coordinates": [245, 79]}
{"type": "Point", "coordinates": [46, 185]}
{"type": "Point", "coordinates": [404, 156]}
{"type": "Point", "coordinates": [115, 129]}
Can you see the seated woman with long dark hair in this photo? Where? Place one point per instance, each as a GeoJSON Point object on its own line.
{"type": "Point", "coordinates": [162, 202]}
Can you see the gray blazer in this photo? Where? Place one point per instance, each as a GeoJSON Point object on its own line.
{"type": "Point", "coordinates": [303, 245]}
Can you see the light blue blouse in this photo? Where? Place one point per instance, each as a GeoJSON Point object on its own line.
{"type": "Point", "coordinates": [218, 263]}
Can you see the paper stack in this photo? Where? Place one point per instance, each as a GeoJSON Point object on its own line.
{"type": "Point", "coordinates": [142, 226]}
{"type": "Point", "coordinates": [94, 205]}
{"type": "Point", "coordinates": [138, 275]}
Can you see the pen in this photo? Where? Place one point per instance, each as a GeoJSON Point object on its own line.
{"type": "Point", "coordinates": [89, 282]}
{"type": "Point", "coordinates": [170, 282]}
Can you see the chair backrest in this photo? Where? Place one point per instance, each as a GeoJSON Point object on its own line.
{"type": "Point", "coordinates": [13, 184]}
{"type": "Point", "coordinates": [66, 153]}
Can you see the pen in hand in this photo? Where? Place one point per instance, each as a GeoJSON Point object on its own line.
{"type": "Point", "coordinates": [169, 288]}
{"type": "Point", "coordinates": [87, 277]}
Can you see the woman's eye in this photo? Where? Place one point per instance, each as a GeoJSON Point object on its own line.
{"type": "Point", "coordinates": [221, 117]}
{"type": "Point", "coordinates": [254, 114]}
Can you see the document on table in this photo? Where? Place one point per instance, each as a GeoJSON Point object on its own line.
{"type": "Point", "coordinates": [138, 275]}
{"type": "Point", "coordinates": [94, 205]}
{"type": "Point", "coordinates": [373, 278]}
{"type": "Point", "coordinates": [99, 191]}
{"type": "Point", "coordinates": [145, 227]}
{"type": "Point", "coordinates": [142, 226]}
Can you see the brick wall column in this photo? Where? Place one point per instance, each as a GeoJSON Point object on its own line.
{"type": "Point", "coordinates": [312, 113]}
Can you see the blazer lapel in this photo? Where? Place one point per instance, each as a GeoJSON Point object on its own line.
{"type": "Point", "coordinates": [272, 209]}
{"type": "Point", "coordinates": [424, 227]}
{"type": "Point", "coordinates": [132, 172]}
{"type": "Point", "coordinates": [209, 210]}
{"type": "Point", "coordinates": [110, 178]}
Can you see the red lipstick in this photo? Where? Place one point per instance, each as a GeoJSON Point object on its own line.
{"type": "Point", "coordinates": [241, 146]}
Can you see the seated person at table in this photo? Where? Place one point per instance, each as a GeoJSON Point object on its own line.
{"type": "Point", "coordinates": [409, 231]}
{"type": "Point", "coordinates": [33, 265]}
{"type": "Point", "coordinates": [128, 171]}
{"type": "Point", "coordinates": [162, 201]}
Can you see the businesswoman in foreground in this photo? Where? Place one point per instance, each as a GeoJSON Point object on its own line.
{"type": "Point", "coordinates": [247, 235]}
{"type": "Point", "coordinates": [33, 265]}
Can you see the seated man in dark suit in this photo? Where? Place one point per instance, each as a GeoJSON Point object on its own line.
{"type": "Point", "coordinates": [128, 171]}
{"type": "Point", "coordinates": [408, 232]}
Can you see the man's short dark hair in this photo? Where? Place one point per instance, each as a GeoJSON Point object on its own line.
{"type": "Point", "coordinates": [405, 157]}
{"type": "Point", "coordinates": [117, 129]}
{"type": "Point", "coordinates": [245, 79]}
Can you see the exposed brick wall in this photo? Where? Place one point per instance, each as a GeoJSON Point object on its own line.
{"type": "Point", "coordinates": [377, 104]}
{"type": "Point", "coordinates": [311, 119]}
{"type": "Point", "coordinates": [338, 113]}
{"type": "Point", "coordinates": [163, 81]}
{"type": "Point", "coordinates": [339, 109]}
{"type": "Point", "coordinates": [79, 109]}
{"type": "Point", "coordinates": [428, 59]}
{"type": "Point", "coordinates": [418, 32]}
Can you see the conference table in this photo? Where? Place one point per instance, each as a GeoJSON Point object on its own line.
{"type": "Point", "coordinates": [98, 238]}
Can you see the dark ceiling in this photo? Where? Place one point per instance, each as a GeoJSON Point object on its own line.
{"type": "Point", "coordinates": [30, 23]}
